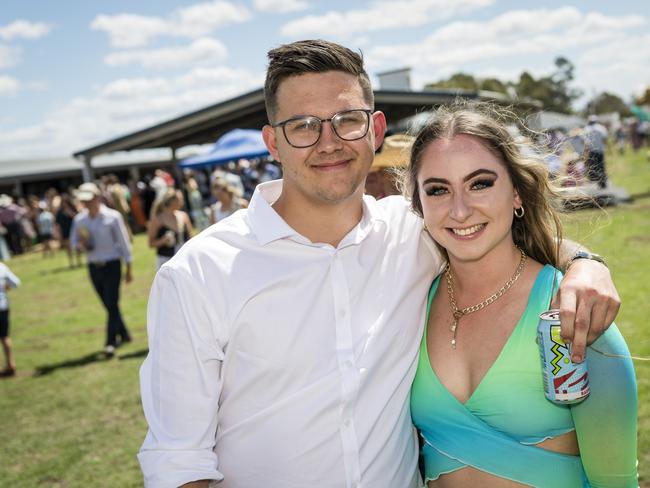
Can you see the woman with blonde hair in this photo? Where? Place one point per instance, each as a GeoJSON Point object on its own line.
{"type": "Point", "coordinates": [169, 226]}
{"type": "Point", "coordinates": [478, 395]}
{"type": "Point", "coordinates": [229, 200]}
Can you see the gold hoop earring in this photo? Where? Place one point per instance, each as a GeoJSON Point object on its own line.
{"type": "Point", "coordinates": [519, 212]}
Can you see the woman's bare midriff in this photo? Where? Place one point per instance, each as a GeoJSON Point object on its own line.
{"type": "Point", "coordinates": [469, 477]}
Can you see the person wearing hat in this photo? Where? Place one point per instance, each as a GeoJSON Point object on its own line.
{"type": "Point", "coordinates": [10, 215]}
{"type": "Point", "coordinates": [100, 232]}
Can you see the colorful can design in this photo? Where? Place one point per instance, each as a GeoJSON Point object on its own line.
{"type": "Point", "coordinates": [564, 382]}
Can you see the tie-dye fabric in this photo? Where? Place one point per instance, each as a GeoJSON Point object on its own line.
{"type": "Point", "coordinates": [495, 429]}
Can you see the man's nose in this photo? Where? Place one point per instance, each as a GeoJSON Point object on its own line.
{"type": "Point", "coordinates": [329, 141]}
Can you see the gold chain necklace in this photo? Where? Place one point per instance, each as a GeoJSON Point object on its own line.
{"type": "Point", "coordinates": [475, 308]}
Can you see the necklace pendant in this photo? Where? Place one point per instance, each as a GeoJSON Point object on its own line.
{"type": "Point", "coordinates": [452, 327]}
{"type": "Point", "coordinates": [453, 343]}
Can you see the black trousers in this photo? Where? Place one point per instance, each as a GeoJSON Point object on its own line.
{"type": "Point", "coordinates": [106, 279]}
{"type": "Point", "coordinates": [596, 168]}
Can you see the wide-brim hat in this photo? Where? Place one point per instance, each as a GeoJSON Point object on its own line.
{"type": "Point", "coordinates": [395, 152]}
{"type": "Point", "coordinates": [5, 200]}
{"type": "Point", "coordinates": [87, 191]}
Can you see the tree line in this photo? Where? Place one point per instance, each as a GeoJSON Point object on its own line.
{"type": "Point", "coordinates": [554, 90]}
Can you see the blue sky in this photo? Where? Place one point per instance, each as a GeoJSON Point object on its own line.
{"type": "Point", "coordinates": [75, 73]}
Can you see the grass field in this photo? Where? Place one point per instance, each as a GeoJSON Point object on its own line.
{"type": "Point", "coordinates": [73, 419]}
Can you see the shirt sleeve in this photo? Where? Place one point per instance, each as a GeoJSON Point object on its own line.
{"type": "Point", "coordinates": [606, 422]}
{"type": "Point", "coordinates": [11, 279]}
{"type": "Point", "coordinates": [74, 234]}
{"type": "Point", "coordinates": [180, 383]}
{"type": "Point", "coordinates": [122, 237]}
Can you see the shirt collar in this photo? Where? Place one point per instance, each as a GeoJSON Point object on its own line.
{"type": "Point", "coordinates": [268, 226]}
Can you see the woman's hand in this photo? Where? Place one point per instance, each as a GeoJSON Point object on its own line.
{"type": "Point", "coordinates": [588, 303]}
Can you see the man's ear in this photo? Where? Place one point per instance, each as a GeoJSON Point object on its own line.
{"type": "Point", "coordinates": [379, 126]}
{"type": "Point", "coordinates": [271, 142]}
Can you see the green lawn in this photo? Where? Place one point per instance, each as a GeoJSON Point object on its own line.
{"type": "Point", "coordinates": [73, 419]}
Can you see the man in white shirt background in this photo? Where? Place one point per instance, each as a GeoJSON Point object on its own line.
{"type": "Point", "coordinates": [100, 232]}
{"type": "Point", "coordinates": [283, 339]}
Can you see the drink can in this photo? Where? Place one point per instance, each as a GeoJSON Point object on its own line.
{"type": "Point", "coordinates": [564, 381]}
{"type": "Point", "coordinates": [170, 235]}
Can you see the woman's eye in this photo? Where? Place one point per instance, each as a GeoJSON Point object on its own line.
{"type": "Point", "coordinates": [482, 184]}
{"type": "Point", "coordinates": [434, 191]}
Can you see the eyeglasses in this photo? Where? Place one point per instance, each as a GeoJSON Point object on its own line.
{"type": "Point", "coordinates": [348, 125]}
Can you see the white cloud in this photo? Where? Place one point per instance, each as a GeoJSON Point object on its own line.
{"type": "Point", "coordinates": [130, 30]}
{"type": "Point", "coordinates": [204, 18]}
{"type": "Point", "coordinates": [8, 86]}
{"type": "Point", "coordinates": [201, 51]}
{"type": "Point", "coordinates": [9, 56]}
{"type": "Point", "coordinates": [513, 34]}
{"type": "Point", "coordinates": [381, 14]}
{"type": "Point", "coordinates": [23, 29]}
{"type": "Point", "coordinates": [194, 21]}
{"type": "Point", "coordinates": [622, 66]}
{"type": "Point", "coordinates": [123, 106]}
{"type": "Point", "coordinates": [280, 6]}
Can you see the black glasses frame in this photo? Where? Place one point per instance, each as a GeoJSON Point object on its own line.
{"type": "Point", "coordinates": [283, 124]}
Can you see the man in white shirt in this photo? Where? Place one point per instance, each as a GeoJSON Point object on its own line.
{"type": "Point", "coordinates": [283, 339]}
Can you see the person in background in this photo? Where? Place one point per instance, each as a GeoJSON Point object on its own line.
{"type": "Point", "coordinates": [595, 139]}
{"type": "Point", "coordinates": [194, 200]}
{"type": "Point", "coordinates": [100, 232]}
{"type": "Point", "coordinates": [169, 227]}
{"type": "Point", "coordinates": [45, 225]}
{"type": "Point", "coordinates": [120, 198]}
{"type": "Point", "coordinates": [229, 200]}
{"type": "Point", "coordinates": [64, 219]}
{"type": "Point", "coordinates": [10, 217]}
{"type": "Point", "coordinates": [7, 280]}
{"type": "Point", "coordinates": [478, 395]}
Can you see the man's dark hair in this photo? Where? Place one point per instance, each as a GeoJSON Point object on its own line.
{"type": "Point", "coordinates": [311, 56]}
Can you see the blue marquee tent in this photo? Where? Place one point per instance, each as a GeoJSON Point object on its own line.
{"type": "Point", "coordinates": [233, 145]}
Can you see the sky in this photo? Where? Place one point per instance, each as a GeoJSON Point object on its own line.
{"type": "Point", "coordinates": [75, 73]}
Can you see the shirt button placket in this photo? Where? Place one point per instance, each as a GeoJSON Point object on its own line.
{"type": "Point", "coordinates": [348, 372]}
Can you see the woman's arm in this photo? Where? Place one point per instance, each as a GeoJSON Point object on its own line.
{"type": "Point", "coordinates": [587, 299]}
{"type": "Point", "coordinates": [152, 231]}
{"type": "Point", "coordinates": [606, 422]}
{"type": "Point", "coordinates": [188, 224]}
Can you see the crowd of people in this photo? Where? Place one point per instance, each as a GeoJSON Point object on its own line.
{"type": "Point", "coordinates": [96, 222]}
{"type": "Point", "coordinates": [578, 156]}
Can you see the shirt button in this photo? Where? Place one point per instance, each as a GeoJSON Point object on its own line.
{"type": "Point", "coordinates": [343, 313]}
{"type": "Point", "coordinates": [347, 364]}
{"type": "Point", "coordinates": [347, 423]}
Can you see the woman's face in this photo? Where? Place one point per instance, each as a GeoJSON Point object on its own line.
{"type": "Point", "coordinates": [467, 197]}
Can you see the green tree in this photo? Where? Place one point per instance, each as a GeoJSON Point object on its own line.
{"type": "Point", "coordinates": [645, 98]}
{"type": "Point", "coordinates": [554, 91]}
{"type": "Point", "coordinates": [492, 84]}
{"type": "Point", "coordinates": [607, 103]}
{"type": "Point", "coordinates": [460, 81]}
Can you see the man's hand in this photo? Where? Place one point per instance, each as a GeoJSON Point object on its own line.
{"type": "Point", "coordinates": [588, 303]}
{"type": "Point", "coordinates": [128, 278]}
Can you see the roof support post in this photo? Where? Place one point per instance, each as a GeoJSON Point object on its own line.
{"type": "Point", "coordinates": [87, 170]}
{"type": "Point", "coordinates": [178, 172]}
{"type": "Point", "coordinates": [18, 188]}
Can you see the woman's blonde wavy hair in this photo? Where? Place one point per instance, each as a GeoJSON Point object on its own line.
{"type": "Point", "coordinates": [539, 231]}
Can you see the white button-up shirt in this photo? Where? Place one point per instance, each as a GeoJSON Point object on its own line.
{"type": "Point", "coordinates": [279, 362]}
